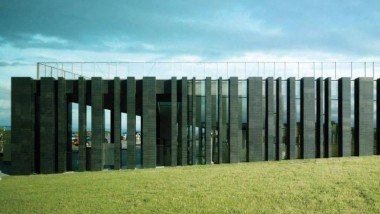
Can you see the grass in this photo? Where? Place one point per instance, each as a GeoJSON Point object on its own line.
{"type": "Point", "coordinates": [336, 185]}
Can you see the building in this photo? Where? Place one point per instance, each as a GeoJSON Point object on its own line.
{"type": "Point", "coordinates": [188, 121]}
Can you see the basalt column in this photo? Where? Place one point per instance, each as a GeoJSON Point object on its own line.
{"type": "Point", "coordinates": [279, 118]}
{"type": "Point", "coordinates": [183, 127]}
{"type": "Point", "coordinates": [214, 113]}
{"type": "Point", "coordinates": [131, 122]}
{"type": "Point", "coordinates": [319, 124]}
{"type": "Point", "coordinates": [82, 124]}
{"type": "Point", "coordinates": [97, 124]}
{"type": "Point", "coordinates": [291, 119]}
{"type": "Point", "coordinates": [378, 115]}
{"type": "Point", "coordinates": [307, 118]}
{"type": "Point", "coordinates": [173, 122]}
{"type": "Point", "coordinates": [149, 122]}
{"type": "Point", "coordinates": [199, 148]}
{"type": "Point", "coordinates": [363, 116]}
{"type": "Point", "coordinates": [193, 121]}
{"type": "Point", "coordinates": [208, 121]}
{"type": "Point", "coordinates": [116, 123]}
{"type": "Point", "coordinates": [62, 125]}
{"type": "Point", "coordinates": [23, 126]}
{"type": "Point", "coordinates": [234, 118]}
{"type": "Point", "coordinates": [48, 125]}
{"type": "Point", "coordinates": [255, 119]}
{"type": "Point", "coordinates": [270, 129]}
{"type": "Point", "coordinates": [344, 117]}
{"type": "Point", "coordinates": [327, 132]}
{"type": "Point", "coordinates": [221, 133]}
{"type": "Point", "coordinates": [69, 148]}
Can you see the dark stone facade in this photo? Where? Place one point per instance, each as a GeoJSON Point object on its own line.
{"type": "Point", "coordinates": [291, 118]}
{"type": "Point", "coordinates": [364, 143]}
{"type": "Point", "coordinates": [344, 116]}
{"type": "Point", "coordinates": [308, 148]}
{"type": "Point", "coordinates": [187, 121]}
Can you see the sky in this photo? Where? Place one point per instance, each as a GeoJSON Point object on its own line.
{"type": "Point", "coordinates": [173, 30]}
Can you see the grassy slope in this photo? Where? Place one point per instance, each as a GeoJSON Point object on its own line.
{"type": "Point", "coordinates": [323, 185]}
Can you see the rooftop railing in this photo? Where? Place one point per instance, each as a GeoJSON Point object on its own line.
{"type": "Point", "coordinates": [164, 70]}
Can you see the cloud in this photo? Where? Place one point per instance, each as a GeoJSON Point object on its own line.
{"type": "Point", "coordinates": [125, 45]}
{"type": "Point", "coordinates": [5, 118]}
{"type": "Point", "coordinates": [5, 104]}
{"type": "Point", "coordinates": [210, 30]}
{"type": "Point", "coordinates": [2, 63]}
{"type": "Point", "coordinates": [42, 39]}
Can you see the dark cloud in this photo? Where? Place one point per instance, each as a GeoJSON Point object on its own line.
{"type": "Point", "coordinates": [206, 28]}
{"type": "Point", "coordinates": [2, 63]}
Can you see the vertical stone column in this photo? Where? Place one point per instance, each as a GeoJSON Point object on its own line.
{"type": "Point", "coordinates": [319, 124]}
{"type": "Point", "coordinates": [193, 122]}
{"type": "Point", "coordinates": [183, 127]}
{"type": "Point", "coordinates": [344, 117]}
{"type": "Point", "coordinates": [250, 119]}
{"type": "Point", "coordinates": [208, 121]}
{"type": "Point", "coordinates": [199, 109]}
{"type": "Point", "coordinates": [221, 135]}
{"type": "Point", "coordinates": [69, 148]}
{"type": "Point", "coordinates": [378, 115]}
{"type": "Point", "coordinates": [225, 133]}
{"type": "Point", "coordinates": [307, 118]}
{"type": "Point", "coordinates": [234, 120]}
{"type": "Point", "coordinates": [240, 123]}
{"type": "Point", "coordinates": [291, 128]}
{"type": "Point", "coordinates": [255, 119]}
{"type": "Point", "coordinates": [23, 124]}
{"type": "Point", "coordinates": [131, 122]}
{"type": "Point", "coordinates": [48, 123]}
{"type": "Point", "coordinates": [173, 122]}
{"type": "Point", "coordinates": [279, 118]}
{"type": "Point", "coordinates": [62, 125]}
{"type": "Point", "coordinates": [116, 121]}
{"type": "Point", "coordinates": [364, 116]}
{"type": "Point", "coordinates": [327, 132]}
{"type": "Point", "coordinates": [270, 135]}
{"type": "Point", "coordinates": [97, 124]}
{"type": "Point", "coordinates": [82, 114]}
{"type": "Point", "coordinates": [149, 122]}
{"type": "Point", "coordinates": [214, 118]}
{"type": "Point", "coordinates": [190, 123]}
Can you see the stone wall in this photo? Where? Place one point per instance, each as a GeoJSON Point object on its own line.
{"type": "Point", "coordinates": [188, 121]}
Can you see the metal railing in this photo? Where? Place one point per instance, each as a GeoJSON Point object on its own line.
{"type": "Point", "coordinates": [164, 70]}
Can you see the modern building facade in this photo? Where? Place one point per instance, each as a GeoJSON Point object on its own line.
{"type": "Point", "coordinates": [190, 121]}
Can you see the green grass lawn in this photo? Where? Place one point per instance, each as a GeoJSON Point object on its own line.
{"type": "Point", "coordinates": [348, 185]}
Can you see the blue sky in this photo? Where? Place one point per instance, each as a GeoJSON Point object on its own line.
{"type": "Point", "coordinates": [52, 30]}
